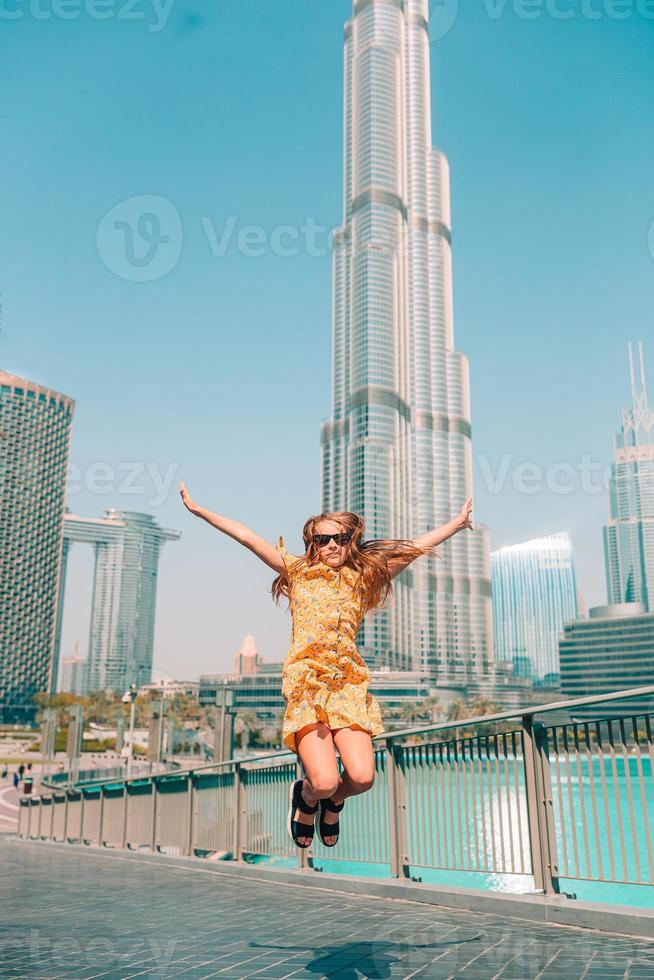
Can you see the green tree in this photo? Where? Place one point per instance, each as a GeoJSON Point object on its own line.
{"type": "Point", "coordinates": [414, 712]}
{"type": "Point", "coordinates": [433, 706]}
{"type": "Point", "coordinates": [458, 710]}
{"type": "Point", "coordinates": [246, 724]}
{"type": "Point", "coordinates": [60, 702]}
{"type": "Point", "coordinates": [483, 706]}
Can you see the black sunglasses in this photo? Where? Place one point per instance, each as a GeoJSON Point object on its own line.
{"type": "Point", "coordinates": [323, 539]}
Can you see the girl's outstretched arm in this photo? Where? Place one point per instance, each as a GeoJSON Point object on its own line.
{"type": "Point", "coordinates": [240, 532]}
{"type": "Point", "coordinates": [431, 539]}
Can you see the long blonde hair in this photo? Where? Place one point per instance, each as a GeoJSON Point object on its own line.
{"type": "Point", "coordinates": [369, 558]}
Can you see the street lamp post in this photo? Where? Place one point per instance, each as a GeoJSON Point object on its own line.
{"type": "Point", "coordinates": [131, 696]}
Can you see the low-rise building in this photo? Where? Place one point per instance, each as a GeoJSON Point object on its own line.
{"type": "Point", "coordinates": [612, 650]}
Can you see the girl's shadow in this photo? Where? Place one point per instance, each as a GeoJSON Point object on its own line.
{"type": "Point", "coordinates": [372, 960]}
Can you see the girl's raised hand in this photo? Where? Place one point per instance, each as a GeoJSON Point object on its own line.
{"type": "Point", "coordinates": [188, 503]}
{"type": "Point", "coordinates": [463, 519]}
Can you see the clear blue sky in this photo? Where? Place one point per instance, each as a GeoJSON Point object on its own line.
{"type": "Point", "coordinates": [218, 372]}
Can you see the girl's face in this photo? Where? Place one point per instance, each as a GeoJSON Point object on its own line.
{"type": "Point", "coordinates": [332, 553]}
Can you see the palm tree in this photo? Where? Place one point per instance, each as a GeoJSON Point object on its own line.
{"type": "Point", "coordinates": [433, 706]}
{"type": "Point", "coordinates": [458, 710]}
{"type": "Point", "coordinates": [483, 706]}
{"type": "Point", "coordinates": [413, 712]}
{"type": "Point", "coordinates": [102, 706]}
{"type": "Point", "coordinates": [246, 723]}
{"type": "Point", "coordinates": [269, 734]}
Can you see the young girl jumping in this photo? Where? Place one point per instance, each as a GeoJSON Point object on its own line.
{"type": "Point", "coordinates": [325, 681]}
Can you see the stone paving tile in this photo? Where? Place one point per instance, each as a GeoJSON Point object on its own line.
{"type": "Point", "coordinates": [70, 914]}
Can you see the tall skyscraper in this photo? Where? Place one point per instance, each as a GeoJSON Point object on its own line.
{"type": "Point", "coordinates": [35, 425]}
{"type": "Point", "coordinates": [534, 594]}
{"type": "Point", "coordinates": [121, 635]}
{"type": "Point", "coordinates": [397, 449]}
{"type": "Point", "coordinates": [629, 535]}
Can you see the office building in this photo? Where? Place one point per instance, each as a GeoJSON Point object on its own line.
{"type": "Point", "coordinates": [534, 593]}
{"type": "Point", "coordinates": [35, 430]}
{"type": "Point", "coordinates": [612, 650]}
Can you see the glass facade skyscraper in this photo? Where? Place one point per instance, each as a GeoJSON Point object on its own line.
{"type": "Point", "coordinates": [629, 535]}
{"type": "Point", "coordinates": [121, 634]}
{"type": "Point", "coordinates": [534, 594]}
{"type": "Point", "coordinates": [35, 427]}
{"type": "Point", "coordinates": [397, 448]}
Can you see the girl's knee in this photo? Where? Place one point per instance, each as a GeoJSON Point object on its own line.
{"type": "Point", "coordinates": [361, 780]}
{"type": "Point", "coordinates": [324, 785]}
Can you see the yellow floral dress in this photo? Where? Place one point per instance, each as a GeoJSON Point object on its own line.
{"type": "Point", "coordinates": [324, 677]}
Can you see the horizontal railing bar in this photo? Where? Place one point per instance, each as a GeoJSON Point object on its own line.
{"type": "Point", "coordinates": [389, 737]}
{"type": "Point", "coordinates": [539, 709]}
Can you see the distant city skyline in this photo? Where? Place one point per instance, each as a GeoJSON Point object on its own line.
{"type": "Point", "coordinates": [218, 372]}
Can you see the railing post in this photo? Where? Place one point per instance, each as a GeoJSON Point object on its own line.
{"type": "Point", "coordinates": [65, 832]}
{"type": "Point", "coordinates": [100, 828]}
{"type": "Point", "coordinates": [190, 789]}
{"type": "Point", "coordinates": [81, 815]}
{"type": "Point", "coordinates": [540, 812]}
{"type": "Point", "coordinates": [239, 802]}
{"type": "Point", "coordinates": [153, 843]}
{"type": "Point", "coordinates": [125, 814]}
{"type": "Point", "coordinates": [399, 857]}
{"type": "Point", "coordinates": [20, 828]}
{"type": "Point", "coordinates": [52, 805]}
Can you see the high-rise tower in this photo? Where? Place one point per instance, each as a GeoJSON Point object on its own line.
{"type": "Point", "coordinates": [534, 594]}
{"type": "Point", "coordinates": [629, 535]}
{"type": "Point", "coordinates": [35, 429]}
{"type": "Point", "coordinates": [397, 449]}
{"type": "Point", "coordinates": [127, 546]}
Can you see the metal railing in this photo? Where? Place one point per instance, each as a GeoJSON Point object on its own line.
{"type": "Point", "coordinates": [542, 792]}
{"type": "Point", "coordinates": [110, 773]}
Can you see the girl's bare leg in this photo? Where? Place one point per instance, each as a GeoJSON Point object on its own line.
{"type": "Point", "coordinates": [316, 750]}
{"type": "Point", "coordinates": [356, 752]}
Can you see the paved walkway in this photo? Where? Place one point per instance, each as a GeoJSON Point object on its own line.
{"type": "Point", "coordinates": [9, 800]}
{"type": "Point", "coordinates": [75, 913]}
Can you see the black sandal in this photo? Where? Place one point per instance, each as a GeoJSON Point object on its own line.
{"type": "Point", "coordinates": [297, 802]}
{"type": "Point", "coordinates": [328, 829]}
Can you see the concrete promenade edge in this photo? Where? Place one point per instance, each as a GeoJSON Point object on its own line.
{"type": "Point", "coordinates": [619, 921]}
